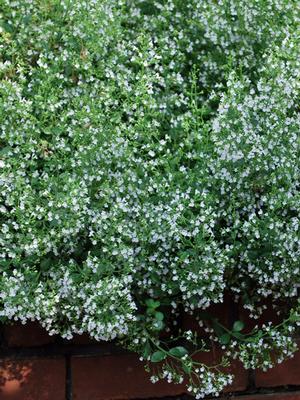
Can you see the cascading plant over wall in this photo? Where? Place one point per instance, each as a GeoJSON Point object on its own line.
{"type": "Point", "coordinates": [149, 164]}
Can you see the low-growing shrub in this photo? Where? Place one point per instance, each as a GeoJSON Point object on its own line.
{"type": "Point", "coordinates": [149, 161]}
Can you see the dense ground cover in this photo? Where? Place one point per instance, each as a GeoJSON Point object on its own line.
{"type": "Point", "coordinates": [149, 161]}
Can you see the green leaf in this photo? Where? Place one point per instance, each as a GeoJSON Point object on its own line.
{"type": "Point", "coordinates": [147, 350]}
{"type": "Point", "coordinates": [260, 333]}
{"type": "Point", "coordinates": [46, 263]}
{"type": "Point", "coordinates": [27, 19]}
{"type": "Point", "coordinates": [158, 356]}
{"type": "Point", "coordinates": [68, 69]}
{"type": "Point", "coordinates": [5, 150]}
{"type": "Point", "coordinates": [217, 328]}
{"type": "Point", "coordinates": [159, 316]}
{"type": "Point", "coordinates": [178, 351]}
{"type": "Point", "coordinates": [238, 335]}
{"type": "Point", "coordinates": [225, 338]}
{"type": "Point", "coordinates": [150, 311]}
{"type": "Point", "coordinates": [6, 26]}
{"type": "Point", "coordinates": [238, 326]}
{"type": "Point", "coordinates": [152, 303]}
{"type": "Point", "coordinates": [186, 369]}
{"type": "Point", "coordinates": [159, 325]}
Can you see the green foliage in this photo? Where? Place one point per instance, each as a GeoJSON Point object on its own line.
{"type": "Point", "coordinates": [149, 163]}
{"type": "Point", "coordinates": [238, 326]}
{"type": "Point", "coordinates": [178, 351]}
{"type": "Point", "coordinates": [158, 356]}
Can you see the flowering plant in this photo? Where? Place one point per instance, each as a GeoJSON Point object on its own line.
{"type": "Point", "coordinates": [149, 162]}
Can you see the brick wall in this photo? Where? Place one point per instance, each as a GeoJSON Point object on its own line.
{"type": "Point", "coordinates": [34, 366]}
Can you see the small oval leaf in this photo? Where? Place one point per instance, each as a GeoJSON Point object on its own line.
{"type": "Point", "coordinates": [159, 325]}
{"type": "Point", "coordinates": [178, 351]}
{"type": "Point", "coordinates": [225, 338]}
{"type": "Point", "coordinates": [238, 326]}
{"type": "Point", "coordinates": [158, 356]}
{"type": "Point", "coordinates": [152, 303]}
{"type": "Point", "coordinates": [159, 315]}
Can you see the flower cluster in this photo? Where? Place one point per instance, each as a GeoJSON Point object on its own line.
{"type": "Point", "coordinates": [149, 162]}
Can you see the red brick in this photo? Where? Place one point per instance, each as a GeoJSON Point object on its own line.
{"type": "Point", "coordinates": [240, 382]}
{"type": "Point", "coordinates": [220, 311]}
{"type": "Point", "coordinates": [269, 396]}
{"type": "Point", "coordinates": [82, 339]}
{"type": "Point", "coordinates": [287, 373]}
{"type": "Point", "coordinates": [116, 377]}
{"type": "Point", "coordinates": [31, 334]}
{"type": "Point", "coordinates": [123, 377]}
{"type": "Point", "coordinates": [42, 379]}
{"type": "Point", "coordinates": [268, 315]}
